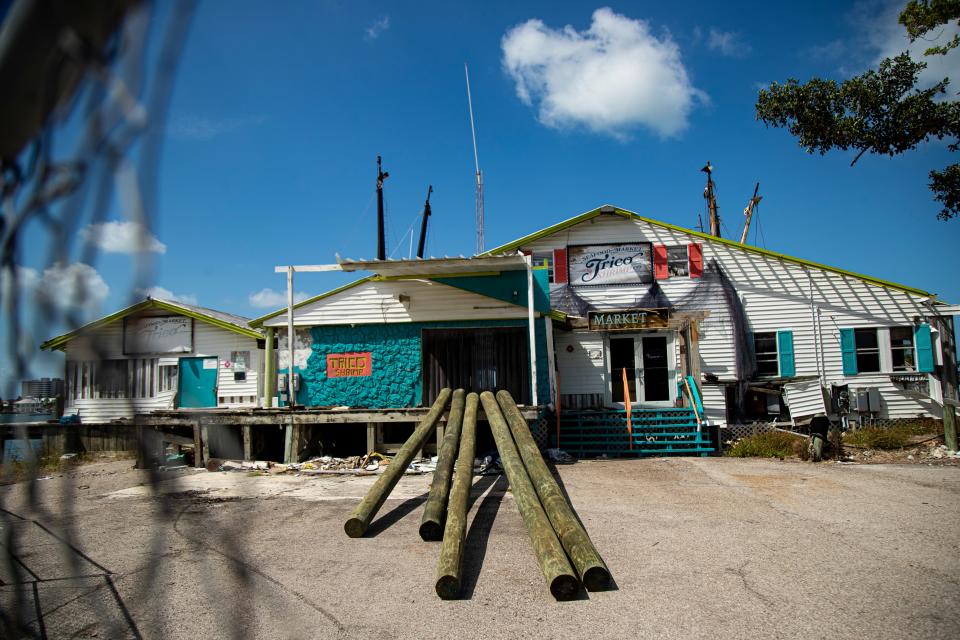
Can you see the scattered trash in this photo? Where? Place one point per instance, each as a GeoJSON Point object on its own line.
{"type": "Point", "coordinates": [68, 456]}
{"type": "Point", "coordinates": [372, 462]}
{"type": "Point", "coordinates": [559, 456]}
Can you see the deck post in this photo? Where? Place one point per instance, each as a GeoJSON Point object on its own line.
{"type": "Point", "coordinates": [205, 440]}
{"type": "Point", "coordinates": [247, 442]}
{"type": "Point", "coordinates": [534, 400]}
{"type": "Point", "coordinates": [371, 437]}
{"type": "Point", "coordinates": [288, 442]}
{"type": "Point", "coordinates": [269, 371]}
{"type": "Point", "coordinates": [197, 446]}
{"type": "Point", "coordinates": [950, 426]}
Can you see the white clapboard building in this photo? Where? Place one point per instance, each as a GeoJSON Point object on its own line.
{"type": "Point", "coordinates": [159, 354]}
{"type": "Point", "coordinates": [763, 334]}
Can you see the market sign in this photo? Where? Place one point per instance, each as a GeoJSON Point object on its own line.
{"type": "Point", "coordinates": [625, 319]}
{"type": "Point", "coordinates": [349, 365]}
{"type": "Point", "coordinates": [606, 264]}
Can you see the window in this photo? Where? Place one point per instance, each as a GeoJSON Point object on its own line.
{"type": "Point", "coordinates": [541, 258]}
{"type": "Point", "coordinates": [901, 349]}
{"type": "Point", "coordinates": [765, 348]}
{"type": "Point", "coordinates": [167, 380]}
{"type": "Point", "coordinates": [868, 350]}
{"type": "Point", "coordinates": [677, 262]}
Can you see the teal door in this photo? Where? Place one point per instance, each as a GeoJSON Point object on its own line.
{"type": "Point", "coordinates": [198, 382]}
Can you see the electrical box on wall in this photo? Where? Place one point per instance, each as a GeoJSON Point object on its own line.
{"type": "Point", "coordinates": [282, 384]}
{"type": "Point", "coordinates": [865, 400]}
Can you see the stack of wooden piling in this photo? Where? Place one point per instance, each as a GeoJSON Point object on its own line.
{"type": "Point", "coordinates": [563, 549]}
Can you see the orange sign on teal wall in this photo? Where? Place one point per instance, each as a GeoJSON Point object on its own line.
{"type": "Point", "coordinates": [349, 365]}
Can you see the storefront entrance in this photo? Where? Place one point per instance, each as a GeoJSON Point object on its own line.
{"type": "Point", "coordinates": [647, 359]}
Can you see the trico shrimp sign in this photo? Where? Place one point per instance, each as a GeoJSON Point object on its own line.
{"type": "Point", "coordinates": [606, 264]}
{"type": "Point", "coordinates": [349, 365]}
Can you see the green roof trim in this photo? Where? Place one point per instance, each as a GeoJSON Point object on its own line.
{"type": "Point", "coordinates": [583, 217]}
{"type": "Point", "coordinates": [150, 303]}
{"type": "Point", "coordinates": [258, 322]}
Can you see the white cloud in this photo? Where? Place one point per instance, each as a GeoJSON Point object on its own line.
{"type": "Point", "coordinates": [272, 299]}
{"type": "Point", "coordinates": [727, 43]}
{"type": "Point", "coordinates": [195, 127]}
{"type": "Point", "coordinates": [611, 78]}
{"type": "Point", "coordinates": [122, 237]}
{"type": "Point", "coordinates": [382, 24]}
{"type": "Point", "coordinates": [166, 294]}
{"type": "Point", "coordinates": [887, 38]}
{"type": "Point", "coordinates": [65, 287]}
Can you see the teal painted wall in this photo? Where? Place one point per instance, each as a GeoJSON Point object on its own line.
{"type": "Point", "coordinates": [396, 378]}
{"type": "Point", "coordinates": [509, 286]}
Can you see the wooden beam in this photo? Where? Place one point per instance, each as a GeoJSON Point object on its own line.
{"type": "Point", "coordinates": [176, 439]}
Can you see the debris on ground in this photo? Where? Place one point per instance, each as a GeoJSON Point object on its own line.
{"type": "Point", "coordinates": [368, 464]}
{"type": "Point", "coordinates": [925, 452]}
{"type": "Point", "coordinates": [559, 456]}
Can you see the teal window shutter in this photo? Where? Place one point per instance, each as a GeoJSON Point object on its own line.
{"type": "Point", "coordinates": [848, 349]}
{"type": "Point", "coordinates": [785, 354]}
{"type": "Point", "coordinates": [924, 348]}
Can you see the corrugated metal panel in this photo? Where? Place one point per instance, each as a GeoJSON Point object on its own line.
{"type": "Point", "coordinates": [380, 302]}
{"type": "Point", "coordinates": [804, 398]}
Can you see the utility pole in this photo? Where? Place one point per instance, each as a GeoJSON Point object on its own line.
{"type": "Point", "coordinates": [754, 201]}
{"type": "Point", "coordinates": [423, 223]}
{"type": "Point", "coordinates": [381, 242]}
{"type": "Point", "coordinates": [711, 199]}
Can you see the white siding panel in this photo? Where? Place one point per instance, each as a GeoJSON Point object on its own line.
{"type": "Point", "coordinates": [106, 409]}
{"type": "Point", "coordinates": [379, 302]}
{"type": "Point", "coordinates": [804, 398]}
{"type": "Point", "coordinates": [582, 369]}
{"type": "Point", "coordinates": [714, 401]}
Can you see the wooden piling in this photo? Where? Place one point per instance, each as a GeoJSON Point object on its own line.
{"type": "Point", "coordinates": [198, 461]}
{"type": "Point", "coordinates": [360, 519]}
{"type": "Point", "coordinates": [247, 442]}
{"type": "Point", "coordinates": [553, 561]}
{"type": "Point", "coordinates": [450, 566]}
{"type": "Point", "coordinates": [431, 525]}
{"type": "Point", "coordinates": [950, 426]}
{"type": "Point", "coordinates": [586, 560]}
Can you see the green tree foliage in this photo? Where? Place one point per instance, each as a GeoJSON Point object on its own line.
{"type": "Point", "coordinates": [881, 111]}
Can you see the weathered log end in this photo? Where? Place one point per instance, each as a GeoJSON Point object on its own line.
{"type": "Point", "coordinates": [596, 578]}
{"type": "Point", "coordinates": [431, 531]}
{"type": "Point", "coordinates": [565, 587]}
{"type": "Point", "coordinates": [355, 527]}
{"type": "Point", "coordinates": [448, 587]}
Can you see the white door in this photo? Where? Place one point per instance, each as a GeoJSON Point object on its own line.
{"type": "Point", "coordinates": [646, 361]}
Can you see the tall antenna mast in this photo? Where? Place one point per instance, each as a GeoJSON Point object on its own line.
{"type": "Point", "coordinates": [476, 162]}
{"type": "Point", "coordinates": [381, 241]}
{"type": "Point", "coordinates": [711, 197]}
{"type": "Point", "coordinates": [751, 206]}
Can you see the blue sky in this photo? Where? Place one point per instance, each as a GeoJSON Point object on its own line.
{"type": "Point", "coordinates": [278, 115]}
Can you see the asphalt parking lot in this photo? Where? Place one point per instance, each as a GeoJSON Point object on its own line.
{"type": "Point", "coordinates": [698, 548]}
